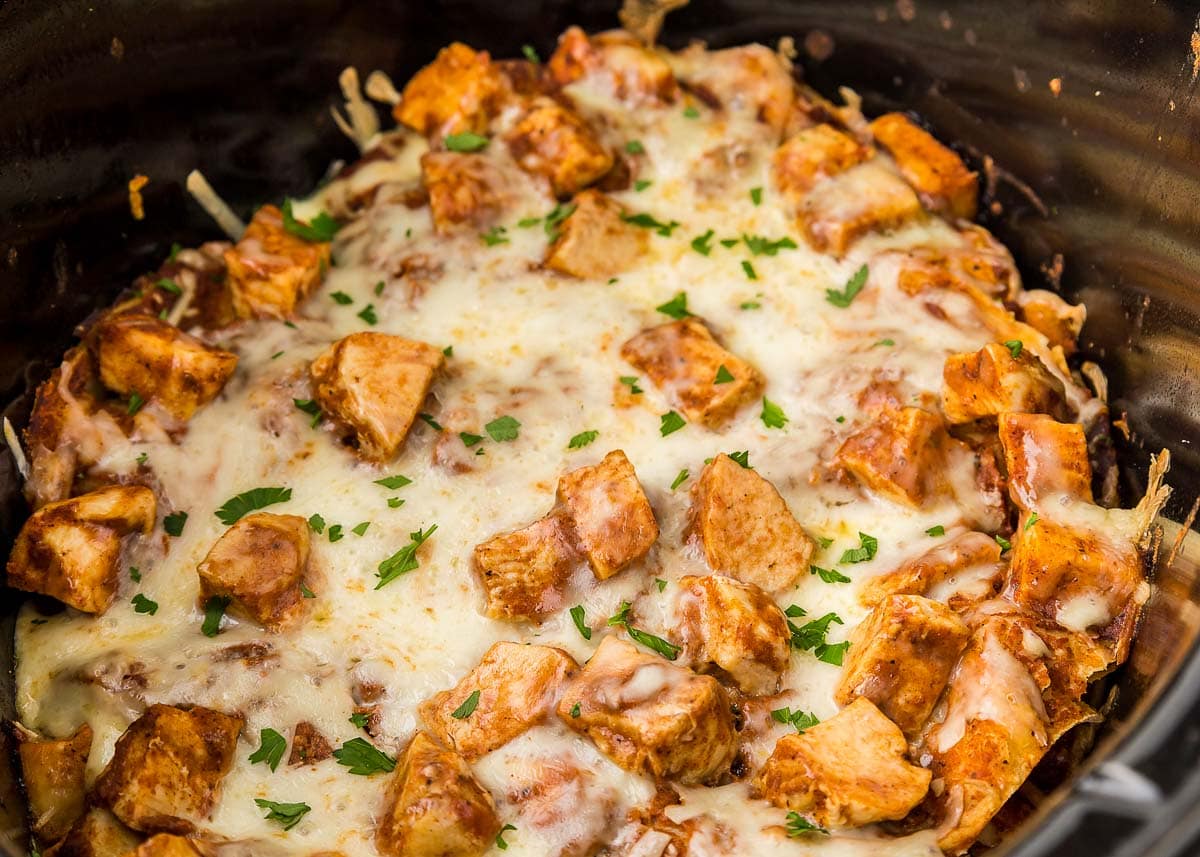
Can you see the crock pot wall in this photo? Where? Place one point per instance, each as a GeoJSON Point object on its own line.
{"type": "Point", "coordinates": [93, 93]}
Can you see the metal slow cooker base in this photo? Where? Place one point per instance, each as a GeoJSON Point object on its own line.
{"type": "Point", "coordinates": [1087, 108]}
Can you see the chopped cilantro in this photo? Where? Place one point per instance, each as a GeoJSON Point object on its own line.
{"type": "Point", "coordinates": [828, 575]}
{"type": "Point", "coordinates": [379, 288]}
{"type": "Point", "coordinates": [702, 244]}
{"type": "Point", "coordinates": [270, 748]}
{"type": "Point", "coordinates": [885, 342]}
{"type": "Point", "coordinates": [575, 710]}
{"type": "Point", "coordinates": [469, 440]}
{"type": "Point", "coordinates": [320, 228]}
{"type": "Point", "coordinates": [577, 616]}
{"type": "Point", "coordinates": [660, 583]}
{"type": "Point", "coordinates": [670, 422]}
{"type": "Point", "coordinates": [630, 381]}
{"type": "Point", "coordinates": [135, 574]}
{"type": "Point", "coordinates": [317, 524]}
{"type": "Point", "coordinates": [448, 350]}
{"type": "Point", "coordinates": [556, 216]}
{"type": "Point", "coordinates": [368, 314]}
{"type": "Point", "coordinates": [335, 533]}
{"type": "Point", "coordinates": [772, 415]}
{"type": "Point", "coordinates": [801, 720]}
{"type": "Point", "coordinates": [176, 248]}
{"type": "Point", "coordinates": [286, 814]}
{"type": "Point", "coordinates": [430, 421]}
{"type": "Point", "coordinates": [756, 195]}
{"type": "Point", "coordinates": [750, 305]}
{"type": "Point", "coordinates": [641, 184]}
{"type": "Point", "coordinates": [341, 298]}
{"type": "Point", "coordinates": [305, 591]}
{"type": "Point", "coordinates": [500, 843]}
{"type": "Point", "coordinates": [1033, 519]}
{"type": "Point", "coordinates": [635, 147]}
{"type": "Point", "coordinates": [467, 141]}
{"type": "Point", "coordinates": [798, 825]}
{"type": "Point", "coordinates": [360, 529]}
{"type": "Point", "coordinates": [236, 508]}
{"type": "Point", "coordinates": [855, 285]}
{"type": "Point", "coordinates": [363, 758]}
{"type": "Point", "coordinates": [690, 112]}
{"type": "Point", "coordinates": [730, 242]}
{"type": "Point", "coordinates": [135, 403]}
{"type": "Point", "coordinates": [676, 307]}
{"type": "Point", "coordinates": [494, 236]}
{"type": "Point", "coordinates": [582, 439]}
{"type": "Point", "coordinates": [724, 376]}
{"type": "Point", "coordinates": [359, 719]}
{"type": "Point", "coordinates": [680, 479]}
{"type": "Point", "coordinates": [751, 274]}
{"type": "Point", "coordinates": [742, 458]}
{"type": "Point", "coordinates": [169, 286]}
{"type": "Point", "coordinates": [173, 523]}
{"type": "Point", "coordinates": [526, 222]}
{"type": "Point", "coordinates": [394, 502]}
{"type": "Point", "coordinates": [393, 482]}
{"type": "Point", "coordinates": [648, 221]}
{"type": "Point", "coordinates": [503, 428]}
{"type": "Point", "coordinates": [311, 408]}
{"type": "Point", "coordinates": [214, 609]}
{"type": "Point", "coordinates": [1014, 347]}
{"type": "Point", "coordinates": [811, 636]}
{"type": "Point", "coordinates": [867, 547]}
{"type": "Point", "coordinates": [531, 54]}
{"type": "Point", "coordinates": [403, 560]}
{"type": "Point", "coordinates": [760, 246]}
{"type": "Point", "coordinates": [142, 604]}
{"type": "Point", "coordinates": [936, 530]}
{"type": "Point", "coordinates": [467, 708]}
{"type": "Point", "coordinates": [1005, 544]}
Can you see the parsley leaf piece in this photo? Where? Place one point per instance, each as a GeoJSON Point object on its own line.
{"type": "Point", "coordinates": [648, 221]}
{"type": "Point", "coordinates": [142, 604]}
{"type": "Point", "coordinates": [582, 439]}
{"type": "Point", "coordinates": [828, 575]}
{"type": "Point", "coordinates": [448, 350]}
{"type": "Point", "coordinates": [1014, 347]}
{"type": "Point", "coordinates": [676, 307]}
{"type": "Point", "coordinates": [320, 228]}
{"type": "Point", "coordinates": [1005, 544]}
{"type": "Point", "coordinates": [469, 440]}
{"type": "Point", "coordinates": [503, 428]}
{"type": "Point", "coordinates": [531, 54]}
{"type": "Point", "coordinates": [690, 112]}
{"type": "Point", "coordinates": [403, 560]}
{"type": "Point", "coordinates": [724, 376]}
{"type": "Point", "coordinates": [379, 287]}
{"type": "Point", "coordinates": [635, 147]}
{"type": "Point", "coordinates": [359, 719]}
{"type": "Point", "coordinates": [750, 305]}
{"type": "Point", "coordinates": [885, 342]}
{"type": "Point", "coordinates": [811, 634]}
{"type": "Point", "coordinates": [621, 617]}
{"type": "Point", "coordinates": [276, 355]}
{"type": "Point", "coordinates": [867, 547]}
{"type": "Point", "coordinates": [798, 825]}
{"type": "Point", "coordinates": [730, 242]}
{"type": "Point", "coordinates": [577, 616]}
{"type": "Point", "coordinates": [760, 246]}
{"type": "Point", "coordinates": [335, 533]}
{"type": "Point", "coordinates": [660, 583]}
{"type": "Point", "coordinates": [526, 222]}
{"type": "Point", "coordinates": [575, 710]}
{"type": "Point", "coordinates": [751, 274]}
{"type": "Point", "coordinates": [832, 653]}
{"type": "Point", "coordinates": [361, 529]}
{"type": "Point", "coordinates": [270, 748]}
{"type": "Point", "coordinates": [467, 708]}
{"type": "Point", "coordinates": [641, 184]}
{"type": "Point", "coordinates": [666, 648]}
{"type": "Point", "coordinates": [742, 458]}
{"type": "Point", "coordinates": [214, 609]}
{"type": "Point", "coordinates": [364, 758]}
{"type": "Point", "coordinates": [305, 591]}
{"type": "Point", "coordinates": [756, 195]}
{"type": "Point", "coordinates": [309, 407]}
{"type": "Point", "coordinates": [556, 216]}
{"type": "Point", "coordinates": [169, 286]}
{"type": "Point", "coordinates": [317, 524]}
{"type": "Point", "coordinates": [176, 248]}
{"type": "Point", "coordinates": [936, 530]}
{"type": "Point", "coordinates": [395, 502]}
{"type": "Point", "coordinates": [847, 295]}
{"type": "Point", "coordinates": [394, 482]}
{"type": "Point", "coordinates": [341, 298]}
{"type": "Point", "coordinates": [772, 415]}
{"type": "Point", "coordinates": [135, 403]}
{"type": "Point", "coordinates": [630, 381]}
{"type": "Point", "coordinates": [494, 236]}
{"type": "Point", "coordinates": [670, 422]}
{"type": "Point", "coordinates": [236, 508]}
{"type": "Point", "coordinates": [824, 542]}
{"type": "Point", "coordinates": [467, 141]}
{"type": "Point", "coordinates": [173, 523]}
{"type": "Point", "coordinates": [135, 574]}
{"type": "Point", "coordinates": [500, 843]}
{"type": "Point", "coordinates": [702, 244]}
{"type": "Point", "coordinates": [801, 720]}
{"type": "Point", "coordinates": [368, 314]}
{"type": "Point", "coordinates": [430, 421]}
{"type": "Point", "coordinates": [680, 479]}
{"type": "Point", "coordinates": [1033, 519]}
{"type": "Point", "coordinates": [286, 814]}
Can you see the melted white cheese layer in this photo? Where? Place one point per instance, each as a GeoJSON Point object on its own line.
{"type": "Point", "coordinates": [545, 350]}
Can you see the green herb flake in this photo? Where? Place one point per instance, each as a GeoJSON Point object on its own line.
{"type": "Point", "coordinates": [582, 439]}
{"type": "Point", "coordinates": [660, 583]}
{"type": "Point", "coordinates": [1005, 544]}
{"type": "Point", "coordinates": [310, 407]}
{"type": "Point", "coordinates": [724, 376]}
{"type": "Point", "coordinates": [1014, 347]}
{"type": "Point", "coordinates": [288, 815]}
{"type": "Point", "coordinates": [936, 530]}
{"type": "Point", "coordinates": [811, 636]}
{"type": "Point", "coordinates": [393, 482]}
{"type": "Point", "coordinates": [798, 825]}
{"type": "Point", "coordinates": [379, 288]}
{"type": "Point", "coordinates": [800, 720]}
{"type": "Point", "coordinates": [368, 314]}
{"type": "Point", "coordinates": [317, 524]}
{"type": "Point", "coordinates": [751, 274]}
{"type": "Point", "coordinates": [469, 440]}
{"type": "Point", "coordinates": [341, 298]}
{"type": "Point", "coordinates": [742, 458]}
{"type": "Point", "coordinates": [320, 228]}
{"type": "Point", "coordinates": [531, 54]}
{"type": "Point", "coordinates": [667, 649]}
{"type": "Point", "coordinates": [630, 381]}
{"type": "Point", "coordinates": [403, 560]}
{"type": "Point", "coordinates": [236, 508]}
{"type": "Point", "coordinates": [641, 184]}
{"type": "Point", "coordinates": [670, 422]}
{"type": "Point", "coordinates": [135, 574]}
{"type": "Point", "coordinates": [750, 305]}
{"type": "Point", "coordinates": [305, 592]}
{"type": "Point", "coordinates": [702, 244]}
{"type": "Point", "coordinates": [648, 221]}
{"type": "Point", "coordinates": [575, 710]}
{"type": "Point", "coordinates": [772, 415]}
{"type": "Point", "coordinates": [888, 343]}
{"type": "Point", "coordinates": [467, 708]}
{"type": "Point", "coordinates": [359, 719]}
{"type": "Point", "coordinates": [276, 355]}
{"type": "Point", "coordinates": [363, 758]}
{"type": "Point", "coordinates": [394, 502]}
{"type": "Point", "coordinates": [169, 286]}
{"type": "Point", "coordinates": [500, 843]}
{"type": "Point", "coordinates": [174, 522]}
{"type": "Point", "coordinates": [494, 236]}
{"type": "Point", "coordinates": [828, 575]}
{"type": "Point", "coordinates": [676, 307]}
{"type": "Point", "coordinates": [1033, 519]}
{"type": "Point", "coordinates": [760, 246]}
{"type": "Point", "coordinates": [465, 142]}
{"type": "Point", "coordinates": [214, 609]}
{"type": "Point", "coordinates": [730, 242]}
{"type": "Point", "coordinates": [176, 249]}
{"type": "Point", "coordinates": [556, 216]}
{"type": "Point", "coordinates": [270, 749]}
{"type": "Point", "coordinates": [335, 533]}
{"type": "Point", "coordinates": [135, 403]}
{"type": "Point", "coordinates": [577, 616]}
{"type": "Point", "coordinates": [361, 529]}
{"type": "Point", "coordinates": [635, 147]}
{"type": "Point", "coordinates": [756, 195]}
{"type": "Point", "coordinates": [824, 542]}
{"type": "Point", "coordinates": [142, 604]}
{"type": "Point", "coordinates": [526, 222]}
{"type": "Point", "coordinates": [430, 421]}
{"type": "Point", "coordinates": [690, 112]}
{"type": "Point", "coordinates": [866, 550]}
{"type": "Point", "coordinates": [448, 350]}
{"type": "Point", "coordinates": [503, 429]}
{"type": "Point", "coordinates": [847, 295]}
{"type": "Point", "coordinates": [680, 479]}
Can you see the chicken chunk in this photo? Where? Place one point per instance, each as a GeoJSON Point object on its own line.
{"type": "Point", "coordinates": [53, 773]}
{"type": "Point", "coordinates": [434, 806]}
{"type": "Point", "coordinates": [260, 562]}
{"type": "Point", "coordinates": [939, 176]}
{"type": "Point", "coordinates": [165, 845]}
{"type": "Point", "coordinates": [70, 549]}
{"type": "Point", "coordinates": [167, 768]}
{"type": "Point", "coordinates": [1054, 318]}
{"type": "Point", "coordinates": [736, 628]}
{"type": "Point", "coordinates": [900, 658]}
{"type": "Point", "coordinates": [1044, 458]}
{"type": "Point", "coordinates": [864, 199]}
{"type": "Point", "coordinates": [594, 242]}
{"type": "Point", "coordinates": [847, 771]}
{"type": "Point", "coordinates": [895, 455]}
{"type": "Point", "coordinates": [746, 528]}
{"type": "Point", "coordinates": [524, 573]}
{"type": "Point", "coordinates": [309, 746]}
{"type": "Point", "coordinates": [96, 834]}
{"type": "Point", "coordinates": [628, 70]}
{"type": "Point", "coordinates": [552, 141]}
{"type": "Point", "coordinates": [609, 513]}
{"type": "Point", "coordinates": [144, 355]}
{"type": "Point", "coordinates": [683, 359]}
{"type": "Point", "coordinates": [992, 381]}
{"type": "Point", "coordinates": [813, 155]}
{"type": "Point", "coordinates": [751, 80]}
{"type": "Point", "coordinates": [463, 189]}
{"type": "Point", "coordinates": [966, 566]}
{"type": "Point", "coordinates": [461, 90]}
{"type": "Point", "coordinates": [373, 384]}
{"type": "Point", "coordinates": [270, 270]}
{"type": "Point", "coordinates": [517, 685]}
{"type": "Point", "coordinates": [650, 716]}
{"type": "Point", "coordinates": [1086, 576]}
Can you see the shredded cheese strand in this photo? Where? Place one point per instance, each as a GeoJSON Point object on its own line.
{"type": "Point", "coordinates": [14, 446]}
{"type": "Point", "coordinates": [217, 208]}
{"type": "Point", "coordinates": [363, 122]}
{"type": "Point", "coordinates": [379, 87]}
